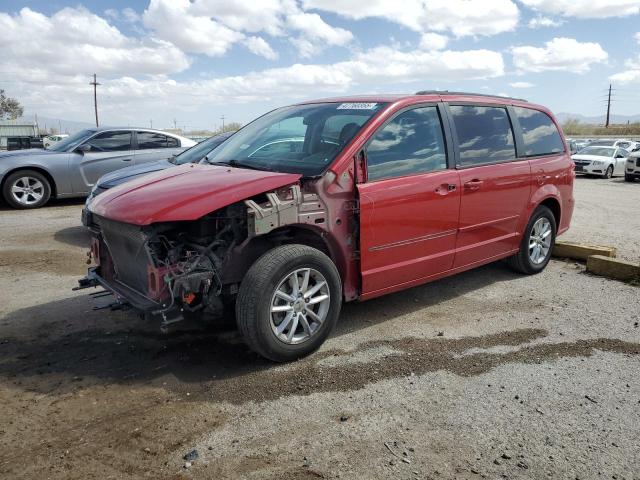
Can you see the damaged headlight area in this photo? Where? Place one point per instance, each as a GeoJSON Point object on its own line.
{"type": "Point", "coordinates": [166, 269]}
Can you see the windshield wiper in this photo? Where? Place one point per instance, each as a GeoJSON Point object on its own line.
{"type": "Point", "coordinates": [237, 164]}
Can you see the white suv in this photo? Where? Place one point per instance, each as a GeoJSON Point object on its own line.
{"type": "Point", "coordinates": [632, 168]}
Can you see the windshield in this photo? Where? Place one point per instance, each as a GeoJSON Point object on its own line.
{"type": "Point", "coordinates": [200, 150]}
{"type": "Point", "coordinates": [603, 143]}
{"type": "Point", "coordinates": [298, 139]}
{"type": "Point", "coordinates": [599, 151]}
{"type": "Point", "coordinates": [72, 141]}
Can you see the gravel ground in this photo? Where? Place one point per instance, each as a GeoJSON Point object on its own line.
{"type": "Point", "coordinates": [484, 375]}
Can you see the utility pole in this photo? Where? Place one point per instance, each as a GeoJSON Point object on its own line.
{"type": "Point", "coordinates": [151, 123]}
{"type": "Point", "coordinates": [175, 124]}
{"type": "Point", "coordinates": [95, 96]}
{"type": "Point", "coordinates": [606, 125]}
{"type": "Point", "coordinates": [222, 118]}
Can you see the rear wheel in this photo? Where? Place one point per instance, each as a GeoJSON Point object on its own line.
{"type": "Point", "coordinates": [26, 189]}
{"type": "Point", "coordinates": [537, 243]}
{"type": "Point", "coordinates": [608, 173]}
{"type": "Point", "coordinates": [289, 302]}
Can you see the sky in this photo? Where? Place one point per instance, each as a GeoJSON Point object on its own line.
{"type": "Point", "coordinates": [194, 61]}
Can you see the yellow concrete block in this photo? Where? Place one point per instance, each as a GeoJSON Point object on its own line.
{"type": "Point", "coordinates": [579, 251]}
{"type": "Point", "coordinates": [612, 268]}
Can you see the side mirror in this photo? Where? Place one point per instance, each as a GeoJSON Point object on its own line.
{"type": "Point", "coordinates": [84, 148]}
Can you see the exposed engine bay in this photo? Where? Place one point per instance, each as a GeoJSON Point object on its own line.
{"type": "Point", "coordinates": [169, 269]}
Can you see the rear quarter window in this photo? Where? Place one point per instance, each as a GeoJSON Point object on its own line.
{"type": "Point", "coordinates": [539, 133]}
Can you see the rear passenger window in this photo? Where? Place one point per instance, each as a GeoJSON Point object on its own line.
{"type": "Point", "coordinates": [539, 133]}
{"type": "Point", "coordinates": [411, 143]}
{"type": "Point", "coordinates": [484, 134]}
{"type": "Point", "coordinates": [148, 140]}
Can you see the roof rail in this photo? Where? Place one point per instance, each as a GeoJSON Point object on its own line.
{"type": "Point", "coordinates": [447, 92]}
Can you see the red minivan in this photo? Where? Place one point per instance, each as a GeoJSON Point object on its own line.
{"type": "Point", "coordinates": [335, 200]}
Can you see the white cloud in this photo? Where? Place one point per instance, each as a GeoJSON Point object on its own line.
{"type": "Point", "coordinates": [541, 22]}
{"type": "Point", "coordinates": [311, 25]}
{"type": "Point", "coordinates": [259, 46]}
{"type": "Point", "coordinates": [75, 40]}
{"type": "Point", "coordinates": [131, 16]}
{"type": "Point", "coordinates": [211, 27]}
{"type": "Point", "coordinates": [174, 22]}
{"type": "Point", "coordinates": [315, 34]}
{"type": "Point", "coordinates": [586, 8]}
{"type": "Point", "coordinates": [253, 17]}
{"type": "Point", "coordinates": [625, 78]}
{"type": "Point", "coordinates": [433, 41]}
{"type": "Point", "coordinates": [369, 69]}
{"type": "Point", "coordinates": [460, 17]}
{"type": "Point", "coordinates": [558, 54]}
{"type": "Point", "coordinates": [637, 37]}
{"type": "Point", "coordinates": [521, 85]}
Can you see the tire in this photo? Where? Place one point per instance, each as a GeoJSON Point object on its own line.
{"type": "Point", "coordinates": [628, 178]}
{"type": "Point", "coordinates": [608, 172]}
{"type": "Point", "coordinates": [36, 197]}
{"type": "Point", "coordinates": [522, 261]}
{"type": "Point", "coordinates": [271, 276]}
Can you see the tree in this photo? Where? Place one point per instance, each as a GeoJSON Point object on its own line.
{"type": "Point", "coordinates": [10, 108]}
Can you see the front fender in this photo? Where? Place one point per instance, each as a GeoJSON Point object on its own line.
{"type": "Point", "coordinates": [57, 169]}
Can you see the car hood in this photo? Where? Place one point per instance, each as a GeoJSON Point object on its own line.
{"type": "Point", "coordinates": [589, 157]}
{"type": "Point", "coordinates": [186, 192]}
{"type": "Point", "coordinates": [117, 177]}
{"type": "Point", "coordinates": [31, 152]}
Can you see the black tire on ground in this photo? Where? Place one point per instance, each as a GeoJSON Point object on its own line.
{"type": "Point", "coordinates": [608, 173]}
{"type": "Point", "coordinates": [253, 303]}
{"type": "Point", "coordinates": [521, 262]}
{"type": "Point", "coordinates": [628, 178]}
{"type": "Point", "coordinates": [33, 177]}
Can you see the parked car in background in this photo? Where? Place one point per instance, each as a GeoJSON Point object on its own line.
{"type": "Point", "coordinates": [51, 139]}
{"type": "Point", "coordinates": [626, 144]}
{"type": "Point", "coordinates": [118, 177]}
{"type": "Point", "coordinates": [385, 192]}
{"type": "Point", "coordinates": [23, 143]}
{"type": "Point", "coordinates": [603, 161]}
{"type": "Point", "coordinates": [70, 168]}
{"type": "Point", "coordinates": [632, 169]}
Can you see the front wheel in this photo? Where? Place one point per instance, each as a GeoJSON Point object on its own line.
{"type": "Point", "coordinates": [608, 172]}
{"type": "Point", "coordinates": [628, 178]}
{"type": "Point", "coordinates": [26, 189]}
{"type": "Point", "coordinates": [289, 302]}
{"type": "Point", "coordinates": [537, 243]}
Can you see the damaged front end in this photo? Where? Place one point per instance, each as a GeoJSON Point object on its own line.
{"type": "Point", "coordinates": [172, 269]}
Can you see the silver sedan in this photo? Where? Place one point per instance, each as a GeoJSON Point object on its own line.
{"type": "Point", "coordinates": [29, 178]}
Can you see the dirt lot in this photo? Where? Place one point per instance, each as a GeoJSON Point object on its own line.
{"type": "Point", "coordinates": [485, 375]}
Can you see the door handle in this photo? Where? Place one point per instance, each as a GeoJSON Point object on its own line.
{"type": "Point", "coordinates": [126, 159]}
{"type": "Point", "coordinates": [473, 185]}
{"type": "Point", "coordinates": [445, 188]}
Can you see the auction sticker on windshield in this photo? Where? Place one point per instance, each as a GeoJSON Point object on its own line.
{"type": "Point", "coordinates": [357, 106]}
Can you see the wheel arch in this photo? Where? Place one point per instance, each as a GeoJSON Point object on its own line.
{"type": "Point", "coordinates": [35, 168]}
{"type": "Point", "coordinates": [553, 204]}
{"type": "Point", "coordinates": [301, 234]}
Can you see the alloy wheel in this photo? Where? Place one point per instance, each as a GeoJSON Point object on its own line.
{"type": "Point", "coordinates": [540, 241]}
{"type": "Point", "coordinates": [27, 190]}
{"type": "Point", "coordinates": [299, 306]}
